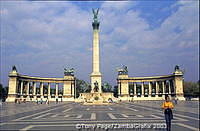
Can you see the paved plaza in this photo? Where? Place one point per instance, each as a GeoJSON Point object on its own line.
{"type": "Point", "coordinates": [74, 116]}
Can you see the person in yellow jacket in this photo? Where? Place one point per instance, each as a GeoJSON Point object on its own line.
{"type": "Point", "coordinates": [167, 107]}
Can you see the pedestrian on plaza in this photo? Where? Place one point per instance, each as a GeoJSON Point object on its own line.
{"type": "Point", "coordinates": [176, 101]}
{"type": "Point", "coordinates": [167, 107]}
{"type": "Point", "coordinates": [37, 100]}
{"type": "Point", "coordinates": [47, 101]}
{"type": "Point", "coordinates": [56, 100]}
{"type": "Point", "coordinates": [41, 101]}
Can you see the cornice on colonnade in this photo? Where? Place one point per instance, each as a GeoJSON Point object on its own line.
{"type": "Point", "coordinates": [147, 79]}
{"type": "Point", "coordinates": [41, 79]}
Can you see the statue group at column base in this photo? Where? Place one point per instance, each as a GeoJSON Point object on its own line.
{"type": "Point", "coordinates": [96, 98]}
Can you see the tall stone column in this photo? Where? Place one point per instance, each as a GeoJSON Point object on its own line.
{"type": "Point", "coordinates": [56, 90]}
{"type": "Point", "coordinates": [73, 88]}
{"type": "Point", "coordinates": [164, 89]}
{"type": "Point", "coordinates": [169, 87]}
{"type": "Point", "coordinates": [21, 89]}
{"type": "Point", "coordinates": [157, 89]}
{"type": "Point", "coordinates": [150, 89]}
{"type": "Point", "coordinates": [135, 91]}
{"type": "Point", "coordinates": [96, 75]}
{"type": "Point", "coordinates": [34, 89]}
{"type": "Point", "coordinates": [41, 90]}
{"type": "Point", "coordinates": [27, 90]}
{"type": "Point", "coordinates": [49, 89]}
{"type": "Point", "coordinates": [142, 89]}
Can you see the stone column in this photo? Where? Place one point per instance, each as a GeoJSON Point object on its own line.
{"type": "Point", "coordinates": [169, 85]}
{"type": "Point", "coordinates": [135, 86]}
{"type": "Point", "coordinates": [21, 89]}
{"type": "Point", "coordinates": [142, 89]}
{"type": "Point", "coordinates": [34, 89]}
{"type": "Point", "coordinates": [49, 89]}
{"type": "Point", "coordinates": [74, 88]}
{"type": "Point", "coordinates": [27, 90]}
{"type": "Point", "coordinates": [150, 89]}
{"type": "Point", "coordinates": [95, 75]}
{"type": "Point", "coordinates": [41, 90]}
{"type": "Point", "coordinates": [164, 89]}
{"type": "Point", "coordinates": [56, 90]}
{"type": "Point", "coordinates": [157, 88]}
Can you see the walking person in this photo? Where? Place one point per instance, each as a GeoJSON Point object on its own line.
{"type": "Point", "coordinates": [47, 101]}
{"type": "Point", "coordinates": [41, 101]}
{"type": "Point", "coordinates": [167, 107]}
{"type": "Point", "coordinates": [56, 100]}
{"type": "Point", "coordinates": [37, 101]}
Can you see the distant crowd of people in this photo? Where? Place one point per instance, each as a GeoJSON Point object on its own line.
{"type": "Point", "coordinates": [38, 101]}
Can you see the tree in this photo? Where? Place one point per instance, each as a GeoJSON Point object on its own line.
{"type": "Point", "coordinates": [3, 92]}
{"type": "Point", "coordinates": [82, 87]}
{"type": "Point", "coordinates": [107, 87]}
{"type": "Point", "coordinates": [191, 89]}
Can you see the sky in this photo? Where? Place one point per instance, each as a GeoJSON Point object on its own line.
{"type": "Point", "coordinates": [149, 37]}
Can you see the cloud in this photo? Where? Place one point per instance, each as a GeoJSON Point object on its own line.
{"type": "Point", "coordinates": [42, 38]}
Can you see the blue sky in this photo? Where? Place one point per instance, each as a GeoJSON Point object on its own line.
{"type": "Point", "coordinates": [150, 37]}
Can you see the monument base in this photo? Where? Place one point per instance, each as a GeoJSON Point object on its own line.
{"type": "Point", "coordinates": [96, 98]}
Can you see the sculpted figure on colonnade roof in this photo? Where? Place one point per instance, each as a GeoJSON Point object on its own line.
{"type": "Point", "coordinates": [69, 71]}
{"type": "Point", "coordinates": [123, 70]}
{"type": "Point", "coordinates": [14, 68]}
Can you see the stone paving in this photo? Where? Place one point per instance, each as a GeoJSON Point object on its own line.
{"type": "Point", "coordinates": [71, 116]}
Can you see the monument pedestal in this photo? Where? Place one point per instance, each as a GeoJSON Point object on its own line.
{"type": "Point", "coordinates": [95, 98]}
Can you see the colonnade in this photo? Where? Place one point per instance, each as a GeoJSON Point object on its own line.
{"type": "Point", "coordinates": [31, 88]}
{"type": "Point", "coordinates": [150, 88]}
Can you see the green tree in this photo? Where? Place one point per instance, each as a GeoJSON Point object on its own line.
{"type": "Point", "coordinates": [3, 92]}
{"type": "Point", "coordinates": [107, 87]}
{"type": "Point", "coordinates": [191, 89]}
{"type": "Point", "coordinates": [82, 87]}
